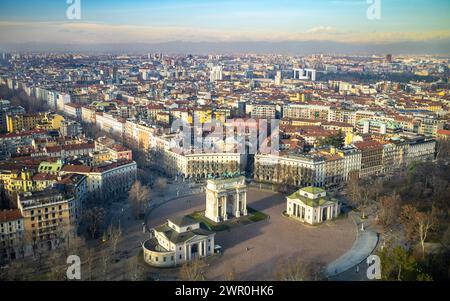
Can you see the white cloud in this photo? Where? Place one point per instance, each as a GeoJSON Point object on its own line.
{"type": "Point", "coordinates": [322, 29]}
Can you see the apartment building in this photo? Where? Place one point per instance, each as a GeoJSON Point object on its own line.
{"type": "Point", "coordinates": [48, 216]}
{"type": "Point", "coordinates": [371, 157]}
{"type": "Point", "coordinates": [202, 165]}
{"type": "Point", "coordinates": [264, 111]}
{"type": "Point", "coordinates": [108, 181]}
{"type": "Point", "coordinates": [306, 111]}
{"type": "Point", "coordinates": [12, 234]}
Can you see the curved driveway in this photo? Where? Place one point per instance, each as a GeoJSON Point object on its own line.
{"type": "Point", "coordinates": [365, 243]}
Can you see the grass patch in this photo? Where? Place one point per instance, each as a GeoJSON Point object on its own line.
{"type": "Point", "coordinates": [208, 224]}
{"type": "Point", "coordinates": [256, 216]}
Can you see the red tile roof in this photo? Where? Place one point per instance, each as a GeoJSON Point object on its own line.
{"type": "Point", "coordinates": [443, 132]}
{"type": "Point", "coordinates": [10, 215]}
{"type": "Point", "coordinates": [44, 177]}
{"type": "Point", "coordinates": [76, 169]}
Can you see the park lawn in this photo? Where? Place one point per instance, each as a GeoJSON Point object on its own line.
{"type": "Point", "coordinates": [256, 216]}
{"type": "Point", "coordinates": [253, 217]}
{"type": "Point", "coordinates": [210, 225]}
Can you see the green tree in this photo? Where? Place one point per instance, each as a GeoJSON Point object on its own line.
{"type": "Point", "coordinates": [398, 264]}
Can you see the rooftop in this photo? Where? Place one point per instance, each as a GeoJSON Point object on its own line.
{"type": "Point", "coordinates": [312, 202]}
{"type": "Point", "coordinates": [183, 221]}
{"type": "Point", "coordinates": [313, 190]}
{"type": "Point", "coordinates": [176, 237]}
{"type": "Point", "coordinates": [10, 215]}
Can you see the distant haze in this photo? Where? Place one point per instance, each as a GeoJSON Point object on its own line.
{"type": "Point", "coordinates": [290, 47]}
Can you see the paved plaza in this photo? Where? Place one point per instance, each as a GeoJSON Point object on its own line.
{"type": "Point", "coordinates": [254, 251]}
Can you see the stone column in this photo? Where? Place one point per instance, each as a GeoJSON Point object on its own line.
{"type": "Point", "coordinates": [216, 209]}
{"type": "Point", "coordinates": [237, 208]}
{"type": "Point", "coordinates": [224, 208]}
{"type": "Point", "coordinates": [244, 203]}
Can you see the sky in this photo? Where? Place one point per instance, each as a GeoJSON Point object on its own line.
{"type": "Point", "coordinates": [155, 21]}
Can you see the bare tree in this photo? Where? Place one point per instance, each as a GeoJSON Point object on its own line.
{"type": "Point", "coordinates": [443, 149]}
{"type": "Point", "coordinates": [105, 264]}
{"type": "Point", "coordinates": [134, 269]}
{"type": "Point", "coordinates": [160, 185]}
{"type": "Point", "coordinates": [193, 271]}
{"type": "Point", "coordinates": [445, 239]}
{"type": "Point", "coordinates": [353, 188]}
{"type": "Point", "coordinates": [57, 266]}
{"type": "Point", "coordinates": [375, 189]}
{"type": "Point", "coordinates": [296, 270]}
{"type": "Point", "coordinates": [139, 196]}
{"type": "Point", "coordinates": [115, 235]}
{"type": "Point", "coordinates": [17, 270]}
{"type": "Point", "coordinates": [94, 218]}
{"type": "Point", "coordinates": [89, 257]}
{"type": "Point", "coordinates": [364, 201]}
{"type": "Point", "coordinates": [362, 193]}
{"type": "Point", "coordinates": [389, 210]}
{"type": "Point", "coordinates": [417, 224]}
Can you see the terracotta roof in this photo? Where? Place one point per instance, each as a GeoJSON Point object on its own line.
{"type": "Point", "coordinates": [10, 215]}
{"type": "Point", "coordinates": [119, 148]}
{"type": "Point", "coordinates": [76, 168]}
{"type": "Point", "coordinates": [23, 134]}
{"type": "Point", "coordinates": [443, 132]}
{"type": "Point", "coordinates": [70, 179]}
{"type": "Point", "coordinates": [44, 177]}
{"type": "Point", "coordinates": [155, 107]}
{"type": "Point", "coordinates": [52, 149]}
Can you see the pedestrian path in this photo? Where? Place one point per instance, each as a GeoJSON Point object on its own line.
{"type": "Point", "coordinates": [365, 243]}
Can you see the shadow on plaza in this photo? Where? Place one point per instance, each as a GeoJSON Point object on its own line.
{"type": "Point", "coordinates": [267, 202]}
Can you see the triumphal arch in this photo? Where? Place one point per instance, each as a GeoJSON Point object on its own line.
{"type": "Point", "coordinates": [226, 198]}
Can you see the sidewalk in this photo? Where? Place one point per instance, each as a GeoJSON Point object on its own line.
{"type": "Point", "coordinates": [365, 243]}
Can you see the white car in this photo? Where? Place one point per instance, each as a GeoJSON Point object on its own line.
{"type": "Point", "coordinates": [217, 249]}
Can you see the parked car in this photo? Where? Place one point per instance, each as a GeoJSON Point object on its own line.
{"type": "Point", "coordinates": [217, 249]}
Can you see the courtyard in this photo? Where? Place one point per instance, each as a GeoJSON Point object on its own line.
{"type": "Point", "coordinates": [254, 251]}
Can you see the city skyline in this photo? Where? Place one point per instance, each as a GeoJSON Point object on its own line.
{"type": "Point", "coordinates": [136, 22]}
{"type": "Point", "coordinates": [223, 141]}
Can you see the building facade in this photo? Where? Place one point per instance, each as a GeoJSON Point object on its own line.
{"type": "Point", "coordinates": [311, 205]}
{"type": "Point", "coordinates": [12, 234]}
{"type": "Point", "coordinates": [178, 241]}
